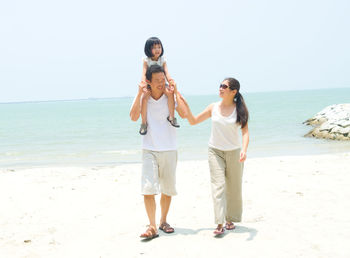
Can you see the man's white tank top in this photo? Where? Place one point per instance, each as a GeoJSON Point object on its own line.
{"type": "Point", "coordinates": [224, 130]}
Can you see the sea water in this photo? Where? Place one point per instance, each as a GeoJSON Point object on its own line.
{"type": "Point", "coordinates": [99, 132]}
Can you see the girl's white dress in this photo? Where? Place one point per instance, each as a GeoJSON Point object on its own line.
{"type": "Point", "coordinates": [161, 60]}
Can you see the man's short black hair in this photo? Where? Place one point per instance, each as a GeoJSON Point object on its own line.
{"type": "Point", "coordinates": [153, 69]}
{"type": "Point", "coordinates": [150, 43]}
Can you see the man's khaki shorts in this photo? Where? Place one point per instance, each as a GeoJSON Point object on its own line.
{"type": "Point", "coordinates": [158, 172]}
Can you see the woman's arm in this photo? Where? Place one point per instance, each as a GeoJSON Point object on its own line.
{"type": "Point", "coordinates": [245, 142]}
{"type": "Point", "coordinates": [204, 115]}
{"type": "Point", "coordinates": [136, 105]}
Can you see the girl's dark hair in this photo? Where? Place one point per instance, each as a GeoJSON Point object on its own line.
{"type": "Point", "coordinates": [150, 43]}
{"type": "Point", "coordinates": [242, 110]}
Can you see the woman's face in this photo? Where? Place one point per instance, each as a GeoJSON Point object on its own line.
{"type": "Point", "coordinates": [225, 91]}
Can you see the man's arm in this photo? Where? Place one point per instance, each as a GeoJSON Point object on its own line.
{"type": "Point", "coordinates": [181, 108]}
{"type": "Point", "coordinates": [136, 105]}
{"type": "Point", "coordinates": [144, 70]}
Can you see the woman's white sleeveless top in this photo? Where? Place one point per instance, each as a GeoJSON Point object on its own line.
{"type": "Point", "coordinates": [224, 130]}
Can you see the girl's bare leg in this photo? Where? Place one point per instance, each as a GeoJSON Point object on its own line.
{"type": "Point", "coordinates": [171, 106]}
{"type": "Point", "coordinates": [144, 100]}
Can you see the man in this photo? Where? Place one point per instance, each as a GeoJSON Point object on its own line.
{"type": "Point", "coordinates": [159, 156]}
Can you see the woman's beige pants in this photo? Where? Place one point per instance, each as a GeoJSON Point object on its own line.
{"type": "Point", "coordinates": [226, 184]}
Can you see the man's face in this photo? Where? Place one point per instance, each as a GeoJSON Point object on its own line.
{"type": "Point", "coordinates": [158, 81]}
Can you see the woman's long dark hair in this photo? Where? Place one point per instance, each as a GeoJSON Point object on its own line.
{"type": "Point", "coordinates": [242, 110]}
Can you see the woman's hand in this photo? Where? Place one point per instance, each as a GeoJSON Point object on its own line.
{"type": "Point", "coordinates": [242, 156]}
{"type": "Point", "coordinates": [245, 142]}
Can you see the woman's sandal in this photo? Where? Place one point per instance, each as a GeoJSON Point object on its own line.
{"type": "Point", "coordinates": [166, 228]}
{"type": "Point", "coordinates": [219, 231]}
{"type": "Point", "coordinates": [173, 122]}
{"type": "Point", "coordinates": [143, 129]}
{"type": "Point", "coordinates": [150, 233]}
{"type": "Point", "coordinates": [230, 226]}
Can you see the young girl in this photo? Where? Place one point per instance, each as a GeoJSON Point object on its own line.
{"type": "Point", "coordinates": [154, 52]}
{"type": "Point", "coordinates": [225, 154]}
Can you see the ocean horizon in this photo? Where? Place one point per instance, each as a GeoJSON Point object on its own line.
{"type": "Point", "coordinates": [128, 96]}
{"type": "Point", "coordinates": [99, 132]}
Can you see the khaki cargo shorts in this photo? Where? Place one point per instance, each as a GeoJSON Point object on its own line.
{"type": "Point", "coordinates": [158, 172]}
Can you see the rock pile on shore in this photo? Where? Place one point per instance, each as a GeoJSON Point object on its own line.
{"type": "Point", "coordinates": [333, 123]}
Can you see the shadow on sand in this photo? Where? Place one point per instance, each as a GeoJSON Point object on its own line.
{"type": "Point", "coordinates": [238, 230]}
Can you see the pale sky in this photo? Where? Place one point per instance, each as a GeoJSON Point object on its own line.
{"type": "Point", "coordinates": [74, 49]}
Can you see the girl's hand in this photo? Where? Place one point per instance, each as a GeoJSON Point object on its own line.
{"type": "Point", "coordinates": [242, 156]}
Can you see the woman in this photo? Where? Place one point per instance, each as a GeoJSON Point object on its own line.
{"type": "Point", "coordinates": [226, 156]}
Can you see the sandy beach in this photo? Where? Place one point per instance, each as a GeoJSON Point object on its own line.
{"type": "Point", "coordinates": [295, 206]}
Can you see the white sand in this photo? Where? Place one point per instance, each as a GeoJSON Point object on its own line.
{"type": "Point", "coordinates": [293, 207]}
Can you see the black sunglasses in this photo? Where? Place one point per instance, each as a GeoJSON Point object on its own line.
{"type": "Point", "coordinates": [223, 86]}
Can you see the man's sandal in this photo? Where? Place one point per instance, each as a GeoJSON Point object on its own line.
{"type": "Point", "coordinates": [219, 231]}
{"type": "Point", "coordinates": [166, 228]}
{"type": "Point", "coordinates": [150, 233]}
{"type": "Point", "coordinates": [173, 122]}
{"type": "Point", "coordinates": [229, 226]}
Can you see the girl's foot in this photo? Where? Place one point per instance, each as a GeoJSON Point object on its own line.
{"type": "Point", "coordinates": [173, 122]}
{"type": "Point", "coordinates": [143, 129]}
{"type": "Point", "coordinates": [229, 226]}
{"type": "Point", "coordinates": [219, 230]}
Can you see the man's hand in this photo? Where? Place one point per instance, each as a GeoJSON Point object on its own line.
{"type": "Point", "coordinates": [143, 87]}
{"type": "Point", "coordinates": [185, 109]}
{"type": "Point", "coordinates": [169, 90]}
{"type": "Point", "coordinates": [136, 105]}
{"type": "Point", "coordinates": [173, 86]}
